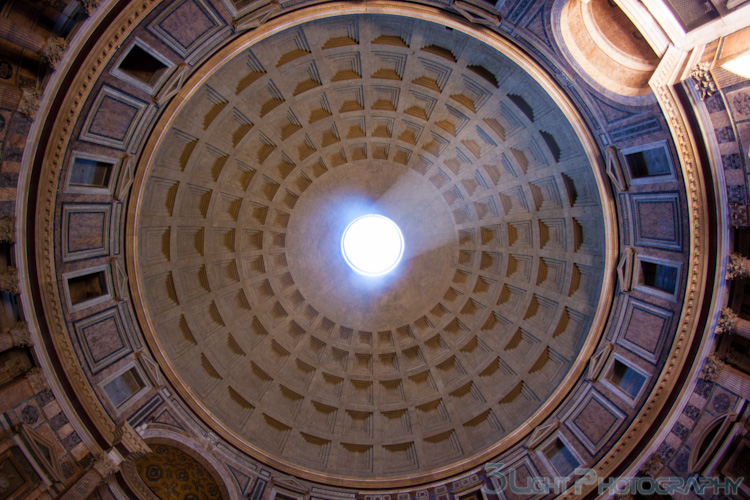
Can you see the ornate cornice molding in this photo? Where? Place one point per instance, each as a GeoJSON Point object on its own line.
{"type": "Point", "coordinates": [61, 133]}
{"type": "Point", "coordinates": [662, 83]}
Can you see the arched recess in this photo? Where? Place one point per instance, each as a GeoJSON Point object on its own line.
{"type": "Point", "coordinates": [173, 454]}
{"type": "Point", "coordinates": [709, 441]}
{"type": "Point", "coordinates": [606, 47]}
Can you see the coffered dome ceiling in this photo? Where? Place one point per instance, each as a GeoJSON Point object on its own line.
{"type": "Point", "coordinates": [194, 179]}
{"type": "Point", "coordinates": [243, 194]}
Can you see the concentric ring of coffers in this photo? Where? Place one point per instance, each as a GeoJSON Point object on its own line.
{"type": "Point", "coordinates": [247, 303]}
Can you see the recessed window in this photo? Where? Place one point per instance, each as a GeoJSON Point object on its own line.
{"type": "Point", "coordinates": [561, 458]}
{"type": "Point", "coordinates": [659, 276]}
{"type": "Point", "coordinates": [648, 163]}
{"type": "Point", "coordinates": [142, 66]}
{"type": "Point", "coordinates": [123, 387]}
{"type": "Point", "coordinates": [90, 173]}
{"type": "Point", "coordinates": [627, 379]}
{"type": "Point", "coordinates": [87, 287]}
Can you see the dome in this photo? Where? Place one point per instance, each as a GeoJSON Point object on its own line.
{"type": "Point", "coordinates": [258, 318]}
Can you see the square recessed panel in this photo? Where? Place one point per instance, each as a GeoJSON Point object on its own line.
{"type": "Point", "coordinates": [113, 118]}
{"type": "Point", "coordinates": [657, 220]}
{"type": "Point", "coordinates": [103, 339]}
{"type": "Point", "coordinates": [187, 25]}
{"type": "Point", "coordinates": [85, 231]}
{"type": "Point", "coordinates": [594, 420]}
{"type": "Point", "coordinates": [643, 329]}
{"type": "Point", "coordinates": [521, 470]}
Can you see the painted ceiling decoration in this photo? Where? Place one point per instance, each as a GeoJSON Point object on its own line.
{"type": "Point", "coordinates": [173, 474]}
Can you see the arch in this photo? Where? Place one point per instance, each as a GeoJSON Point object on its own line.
{"type": "Point", "coordinates": [709, 441]}
{"type": "Point", "coordinates": [605, 47]}
{"type": "Point", "coordinates": [179, 447]}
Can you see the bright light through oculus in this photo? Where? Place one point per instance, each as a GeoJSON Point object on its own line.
{"type": "Point", "coordinates": [372, 245]}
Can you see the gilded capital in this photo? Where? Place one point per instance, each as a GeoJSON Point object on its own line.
{"type": "Point", "coordinates": [8, 229]}
{"type": "Point", "coordinates": [738, 266]}
{"type": "Point", "coordinates": [37, 380]}
{"type": "Point", "coordinates": [105, 466]}
{"type": "Point", "coordinates": [89, 6]}
{"type": "Point", "coordinates": [20, 334]}
{"type": "Point", "coordinates": [727, 321]}
{"type": "Point", "coordinates": [53, 51]}
{"type": "Point", "coordinates": [704, 82]}
{"type": "Point", "coordinates": [9, 280]}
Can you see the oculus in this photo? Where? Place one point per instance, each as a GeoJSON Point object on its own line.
{"type": "Point", "coordinates": [372, 245]}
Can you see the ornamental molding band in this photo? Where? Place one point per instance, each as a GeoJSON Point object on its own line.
{"type": "Point", "coordinates": [44, 248]}
{"type": "Point", "coordinates": [663, 82]}
{"type": "Point", "coordinates": [186, 283]}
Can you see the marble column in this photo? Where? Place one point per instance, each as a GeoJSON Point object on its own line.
{"type": "Point", "coordinates": [102, 469]}
{"type": "Point", "coordinates": [22, 388]}
{"type": "Point", "coordinates": [17, 336]}
{"type": "Point", "coordinates": [10, 96]}
{"type": "Point", "coordinates": [21, 36]}
{"type": "Point", "coordinates": [50, 49]}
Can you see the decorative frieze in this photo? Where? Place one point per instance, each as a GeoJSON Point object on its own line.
{"type": "Point", "coordinates": [136, 446]}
